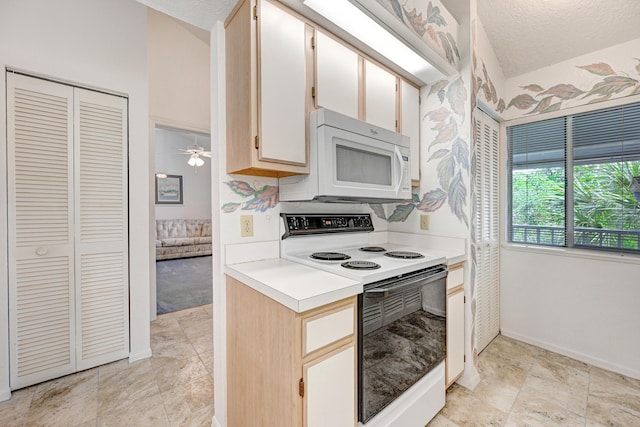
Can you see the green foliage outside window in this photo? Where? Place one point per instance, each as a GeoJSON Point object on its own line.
{"type": "Point", "coordinates": [605, 211]}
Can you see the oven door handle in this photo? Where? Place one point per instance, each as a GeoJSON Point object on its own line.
{"type": "Point", "coordinates": [414, 282]}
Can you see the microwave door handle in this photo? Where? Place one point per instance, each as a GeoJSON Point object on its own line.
{"type": "Point", "coordinates": [400, 173]}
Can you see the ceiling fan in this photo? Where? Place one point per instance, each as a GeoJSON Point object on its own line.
{"type": "Point", "coordinates": [196, 153]}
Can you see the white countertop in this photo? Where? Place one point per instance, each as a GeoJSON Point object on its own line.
{"type": "Point", "coordinates": [453, 256]}
{"type": "Point", "coordinates": [293, 285]}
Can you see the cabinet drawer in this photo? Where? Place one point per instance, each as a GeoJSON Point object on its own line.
{"type": "Point", "coordinates": [455, 278]}
{"type": "Point", "coordinates": [326, 328]}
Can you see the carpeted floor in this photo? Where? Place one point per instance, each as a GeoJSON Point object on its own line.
{"type": "Point", "coordinates": [183, 283]}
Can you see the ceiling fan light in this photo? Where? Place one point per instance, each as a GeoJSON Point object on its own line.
{"type": "Point", "coordinates": [199, 161]}
{"type": "Point", "coordinates": [193, 160]}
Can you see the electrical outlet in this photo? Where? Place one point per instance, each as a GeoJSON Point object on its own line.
{"type": "Point", "coordinates": [424, 222]}
{"type": "Point", "coordinates": [246, 225]}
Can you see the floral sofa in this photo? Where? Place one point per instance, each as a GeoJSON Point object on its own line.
{"type": "Point", "coordinates": [182, 238]}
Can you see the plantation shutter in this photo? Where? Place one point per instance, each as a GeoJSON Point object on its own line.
{"type": "Point", "coordinates": [487, 231]}
{"type": "Point", "coordinates": [101, 235]}
{"type": "Point", "coordinates": [40, 199]}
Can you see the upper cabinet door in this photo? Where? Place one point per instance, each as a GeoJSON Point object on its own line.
{"type": "Point", "coordinates": [336, 76]}
{"type": "Point", "coordinates": [282, 86]}
{"type": "Point", "coordinates": [380, 96]}
{"type": "Point", "coordinates": [410, 123]}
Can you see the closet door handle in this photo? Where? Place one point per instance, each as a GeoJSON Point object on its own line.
{"type": "Point", "coordinates": [42, 251]}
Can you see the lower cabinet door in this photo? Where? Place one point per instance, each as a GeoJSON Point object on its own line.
{"type": "Point", "coordinates": [330, 395]}
{"type": "Point", "coordinates": [455, 335]}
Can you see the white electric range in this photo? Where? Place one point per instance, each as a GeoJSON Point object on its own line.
{"type": "Point", "coordinates": [402, 313]}
{"type": "Point", "coordinates": [339, 244]}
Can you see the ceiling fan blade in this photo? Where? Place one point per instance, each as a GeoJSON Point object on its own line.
{"type": "Point", "coordinates": [206, 153]}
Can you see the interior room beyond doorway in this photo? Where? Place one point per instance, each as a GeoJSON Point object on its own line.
{"type": "Point", "coordinates": [183, 219]}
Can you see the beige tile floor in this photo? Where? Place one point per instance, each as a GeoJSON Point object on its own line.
{"type": "Point", "coordinates": [172, 388]}
{"type": "Point", "coordinates": [523, 385]}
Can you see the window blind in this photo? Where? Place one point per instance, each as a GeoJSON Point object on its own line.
{"type": "Point", "coordinates": [570, 179]}
{"type": "Point", "coordinates": [607, 135]}
{"type": "Point", "coordinates": [537, 144]}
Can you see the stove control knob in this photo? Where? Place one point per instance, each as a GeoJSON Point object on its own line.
{"type": "Point", "coordinates": [305, 223]}
{"type": "Point", "coordinates": [367, 222]}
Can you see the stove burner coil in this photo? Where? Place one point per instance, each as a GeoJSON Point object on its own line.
{"type": "Point", "coordinates": [329, 256]}
{"type": "Point", "coordinates": [403, 255]}
{"type": "Point", "coordinates": [360, 265]}
{"type": "Point", "coordinates": [373, 249]}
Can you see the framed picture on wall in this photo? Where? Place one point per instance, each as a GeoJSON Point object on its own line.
{"type": "Point", "coordinates": [168, 189]}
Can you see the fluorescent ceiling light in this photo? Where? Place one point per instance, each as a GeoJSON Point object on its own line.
{"type": "Point", "coordinates": [354, 21]}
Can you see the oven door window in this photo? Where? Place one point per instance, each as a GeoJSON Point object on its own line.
{"type": "Point", "coordinates": [403, 337]}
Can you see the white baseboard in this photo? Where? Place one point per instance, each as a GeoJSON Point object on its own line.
{"type": "Point", "coordinates": [145, 354]}
{"type": "Point", "coordinates": [469, 380]}
{"type": "Point", "coordinates": [5, 394]}
{"type": "Point", "coordinates": [600, 363]}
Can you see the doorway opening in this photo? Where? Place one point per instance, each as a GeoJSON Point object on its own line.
{"type": "Point", "coordinates": [183, 232]}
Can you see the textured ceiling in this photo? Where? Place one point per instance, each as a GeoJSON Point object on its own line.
{"type": "Point", "coordinates": [525, 34]}
{"type": "Point", "coordinates": [201, 13]}
{"type": "Point", "coordinates": [530, 34]}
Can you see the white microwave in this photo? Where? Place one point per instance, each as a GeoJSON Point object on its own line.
{"type": "Point", "coordinates": [351, 161]}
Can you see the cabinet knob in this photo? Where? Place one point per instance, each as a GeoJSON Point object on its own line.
{"type": "Point", "coordinates": [42, 251]}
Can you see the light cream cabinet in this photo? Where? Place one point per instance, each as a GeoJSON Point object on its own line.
{"type": "Point", "coordinates": [268, 79]}
{"type": "Point", "coordinates": [352, 85]}
{"type": "Point", "coordinates": [337, 76]}
{"type": "Point", "coordinates": [279, 68]}
{"type": "Point", "coordinates": [410, 124]}
{"type": "Point", "coordinates": [455, 323]}
{"type": "Point", "coordinates": [286, 368]}
{"type": "Point", "coordinates": [380, 96]}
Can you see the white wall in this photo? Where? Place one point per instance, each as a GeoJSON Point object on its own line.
{"type": "Point", "coordinates": [488, 73]}
{"type": "Point", "coordinates": [583, 307]}
{"type": "Point", "coordinates": [196, 183]}
{"type": "Point", "coordinates": [179, 73]}
{"type": "Point", "coordinates": [586, 308]}
{"type": "Point", "coordinates": [102, 44]}
{"type": "Point", "coordinates": [582, 81]}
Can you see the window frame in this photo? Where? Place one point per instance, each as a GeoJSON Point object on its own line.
{"type": "Point", "coordinates": [569, 226]}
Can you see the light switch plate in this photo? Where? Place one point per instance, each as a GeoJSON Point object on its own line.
{"type": "Point", "coordinates": [424, 222]}
{"type": "Point", "coordinates": [246, 225]}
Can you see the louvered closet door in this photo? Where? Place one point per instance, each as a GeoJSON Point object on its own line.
{"type": "Point", "coordinates": [487, 231]}
{"type": "Point", "coordinates": [40, 198]}
{"type": "Point", "coordinates": [101, 232]}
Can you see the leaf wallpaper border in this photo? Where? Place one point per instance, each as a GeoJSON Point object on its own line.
{"type": "Point", "coordinates": [258, 200]}
{"type": "Point", "coordinates": [612, 85]}
{"type": "Point", "coordinates": [432, 28]}
{"type": "Point", "coordinates": [449, 151]}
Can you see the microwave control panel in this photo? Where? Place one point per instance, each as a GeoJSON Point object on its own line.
{"type": "Point", "coordinates": [406, 174]}
{"type": "Point", "coordinates": [305, 224]}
